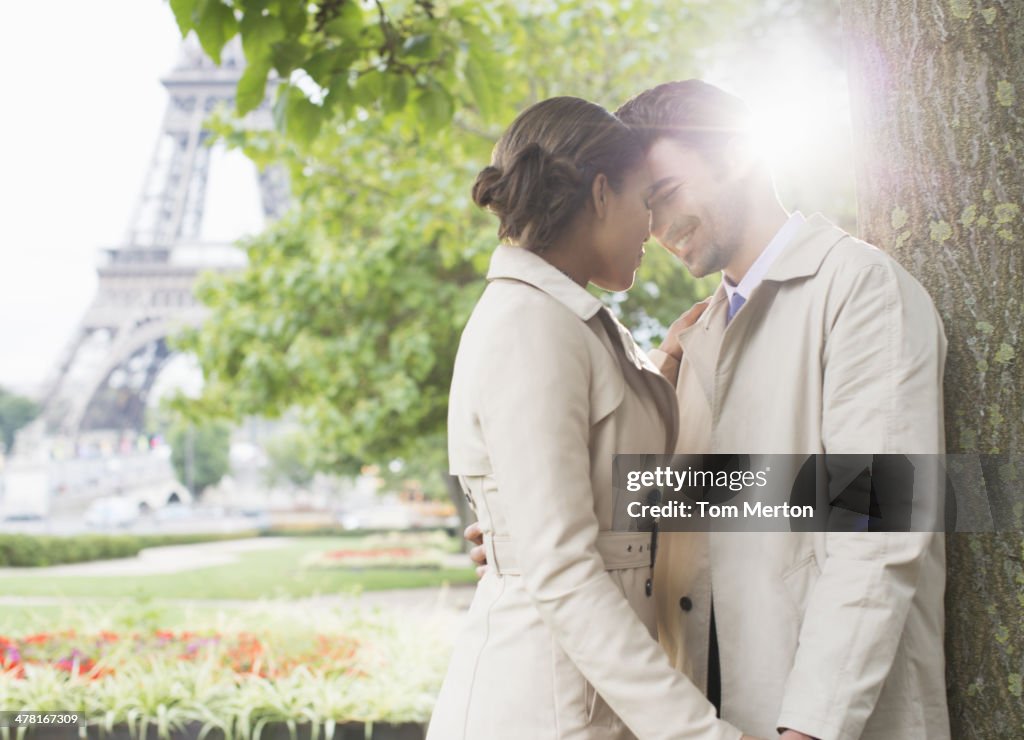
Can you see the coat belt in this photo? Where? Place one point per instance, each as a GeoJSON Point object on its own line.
{"type": "Point", "coordinates": [619, 550]}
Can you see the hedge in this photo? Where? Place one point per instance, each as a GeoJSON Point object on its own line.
{"type": "Point", "coordinates": [28, 551]}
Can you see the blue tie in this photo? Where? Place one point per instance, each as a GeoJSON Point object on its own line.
{"type": "Point", "coordinates": [735, 303]}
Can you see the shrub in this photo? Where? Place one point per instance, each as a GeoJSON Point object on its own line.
{"type": "Point", "coordinates": [33, 551]}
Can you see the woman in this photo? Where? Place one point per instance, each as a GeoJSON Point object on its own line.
{"type": "Point", "coordinates": [547, 387]}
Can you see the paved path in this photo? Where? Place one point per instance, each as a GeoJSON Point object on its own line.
{"type": "Point", "coordinates": [406, 600]}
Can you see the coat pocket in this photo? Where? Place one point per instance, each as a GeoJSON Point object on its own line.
{"type": "Point", "coordinates": [599, 714]}
{"type": "Point", "coordinates": [577, 703]}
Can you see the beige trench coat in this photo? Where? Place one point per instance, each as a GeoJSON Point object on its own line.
{"type": "Point", "coordinates": [840, 636]}
{"type": "Point", "coordinates": [558, 641]}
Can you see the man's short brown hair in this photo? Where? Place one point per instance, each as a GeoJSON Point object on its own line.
{"type": "Point", "coordinates": [695, 113]}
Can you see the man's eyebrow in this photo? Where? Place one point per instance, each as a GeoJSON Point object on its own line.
{"type": "Point", "coordinates": [658, 185]}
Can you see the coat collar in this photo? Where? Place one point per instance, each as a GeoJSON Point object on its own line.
{"type": "Point", "coordinates": [516, 263]}
{"type": "Point", "coordinates": [802, 258]}
{"type": "Point", "coordinates": [805, 253]}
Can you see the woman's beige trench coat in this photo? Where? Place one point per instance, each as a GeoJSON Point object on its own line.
{"type": "Point", "coordinates": [558, 642]}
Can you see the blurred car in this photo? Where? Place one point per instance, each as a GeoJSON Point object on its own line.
{"type": "Point", "coordinates": [112, 511]}
{"type": "Point", "coordinates": [380, 516]}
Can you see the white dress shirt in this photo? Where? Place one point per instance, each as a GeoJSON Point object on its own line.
{"type": "Point", "coordinates": [764, 260]}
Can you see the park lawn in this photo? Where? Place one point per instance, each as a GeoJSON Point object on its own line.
{"type": "Point", "coordinates": [259, 574]}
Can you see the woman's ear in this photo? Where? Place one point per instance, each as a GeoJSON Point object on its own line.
{"type": "Point", "coordinates": [598, 195]}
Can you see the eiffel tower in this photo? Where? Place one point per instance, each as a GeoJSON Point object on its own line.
{"type": "Point", "coordinates": [145, 292]}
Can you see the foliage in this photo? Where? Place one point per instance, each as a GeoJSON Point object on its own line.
{"type": "Point", "coordinates": [290, 459]}
{"type": "Point", "coordinates": [199, 454]}
{"type": "Point", "coordinates": [337, 57]}
{"type": "Point", "coordinates": [31, 551]}
{"type": "Point", "coordinates": [351, 307]}
{"type": "Point", "coordinates": [15, 412]}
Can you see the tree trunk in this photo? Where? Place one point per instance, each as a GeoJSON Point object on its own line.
{"type": "Point", "coordinates": [936, 87]}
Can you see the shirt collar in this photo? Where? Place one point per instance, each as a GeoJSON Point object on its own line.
{"type": "Point", "coordinates": [516, 263]}
{"type": "Point", "coordinates": [764, 260]}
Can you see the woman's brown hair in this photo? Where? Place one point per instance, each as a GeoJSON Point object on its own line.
{"type": "Point", "coordinates": [543, 167]}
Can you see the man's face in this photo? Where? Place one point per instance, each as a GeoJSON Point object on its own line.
{"type": "Point", "coordinates": [697, 213]}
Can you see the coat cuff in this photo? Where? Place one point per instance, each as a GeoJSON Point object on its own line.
{"type": "Point", "coordinates": [816, 727]}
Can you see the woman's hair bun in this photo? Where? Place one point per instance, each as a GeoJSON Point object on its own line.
{"type": "Point", "coordinates": [533, 196]}
{"type": "Point", "coordinates": [486, 182]}
{"type": "Point", "coordinates": [544, 164]}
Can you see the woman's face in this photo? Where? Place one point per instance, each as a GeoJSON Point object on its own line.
{"type": "Point", "coordinates": [619, 240]}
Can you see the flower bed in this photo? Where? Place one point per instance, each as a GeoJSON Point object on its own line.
{"type": "Point", "coordinates": [392, 550]}
{"type": "Point", "coordinates": [95, 656]}
{"type": "Point", "coordinates": [321, 672]}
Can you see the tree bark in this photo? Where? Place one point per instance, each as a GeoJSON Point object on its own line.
{"type": "Point", "coordinates": [936, 87]}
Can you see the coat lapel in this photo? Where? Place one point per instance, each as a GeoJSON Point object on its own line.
{"type": "Point", "coordinates": [664, 396]}
{"type": "Point", "coordinates": [702, 341]}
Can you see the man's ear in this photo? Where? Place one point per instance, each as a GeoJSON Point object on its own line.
{"type": "Point", "coordinates": [598, 195]}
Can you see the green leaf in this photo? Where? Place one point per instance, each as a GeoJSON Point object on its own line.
{"type": "Point", "coordinates": [259, 33]}
{"type": "Point", "coordinates": [183, 15]}
{"type": "Point", "coordinates": [348, 24]}
{"type": "Point", "coordinates": [420, 46]}
{"type": "Point", "coordinates": [214, 24]}
{"type": "Point", "coordinates": [252, 87]}
{"type": "Point", "coordinates": [396, 92]}
{"type": "Point", "coordinates": [339, 94]}
{"type": "Point", "coordinates": [482, 84]}
{"type": "Point", "coordinates": [326, 65]}
{"type": "Point", "coordinates": [435, 107]}
{"type": "Point", "coordinates": [288, 56]}
{"type": "Point", "coordinates": [293, 15]}
{"type": "Point", "coordinates": [369, 88]}
{"type": "Point", "coordinates": [296, 116]}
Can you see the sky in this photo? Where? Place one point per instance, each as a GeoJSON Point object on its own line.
{"type": "Point", "coordinates": [82, 111]}
{"type": "Point", "coordinates": [81, 115]}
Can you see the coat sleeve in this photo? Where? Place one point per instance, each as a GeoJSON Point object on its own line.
{"type": "Point", "coordinates": [533, 396]}
{"type": "Point", "coordinates": [883, 366]}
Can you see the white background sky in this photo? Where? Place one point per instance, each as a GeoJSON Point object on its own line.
{"type": "Point", "coordinates": [82, 107]}
{"type": "Point", "coordinates": [81, 112]}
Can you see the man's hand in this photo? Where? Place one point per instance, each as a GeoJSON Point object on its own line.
{"type": "Point", "coordinates": [670, 345]}
{"type": "Point", "coordinates": [794, 735]}
{"type": "Point", "coordinates": [477, 554]}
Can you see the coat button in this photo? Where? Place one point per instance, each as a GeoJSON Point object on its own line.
{"type": "Point", "coordinates": [685, 603]}
{"type": "Point", "coordinates": [648, 587]}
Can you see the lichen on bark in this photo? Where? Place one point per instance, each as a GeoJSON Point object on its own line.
{"type": "Point", "coordinates": [916, 68]}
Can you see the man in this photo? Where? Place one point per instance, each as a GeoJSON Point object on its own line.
{"type": "Point", "coordinates": [814, 342]}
